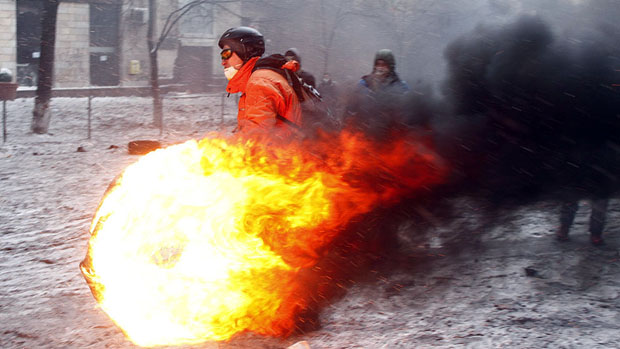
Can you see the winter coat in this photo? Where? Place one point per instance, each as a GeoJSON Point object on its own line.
{"type": "Point", "coordinates": [327, 89]}
{"type": "Point", "coordinates": [370, 99]}
{"type": "Point", "coordinates": [265, 94]}
{"type": "Point", "coordinates": [375, 107]}
{"type": "Point", "coordinates": [393, 85]}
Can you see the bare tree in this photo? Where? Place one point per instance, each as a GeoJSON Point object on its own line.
{"type": "Point", "coordinates": [331, 15]}
{"type": "Point", "coordinates": [158, 108]}
{"type": "Point", "coordinates": [411, 22]}
{"type": "Point", "coordinates": [41, 113]}
{"type": "Point", "coordinates": [328, 29]}
{"type": "Point", "coordinates": [154, 44]}
{"type": "Point", "coordinates": [333, 18]}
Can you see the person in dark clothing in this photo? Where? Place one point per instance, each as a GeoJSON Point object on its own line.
{"type": "Point", "coordinates": [329, 91]}
{"type": "Point", "coordinates": [378, 97]}
{"type": "Point", "coordinates": [293, 54]}
{"type": "Point", "coordinates": [383, 76]}
{"type": "Point", "coordinates": [327, 87]}
{"type": "Point", "coordinates": [568, 210]}
{"type": "Point", "coordinates": [589, 173]}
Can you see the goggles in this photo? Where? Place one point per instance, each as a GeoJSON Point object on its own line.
{"type": "Point", "coordinates": [226, 53]}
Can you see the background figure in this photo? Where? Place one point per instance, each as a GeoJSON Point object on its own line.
{"type": "Point", "coordinates": [329, 91]}
{"type": "Point", "coordinates": [384, 77]}
{"type": "Point", "coordinates": [377, 101]}
{"type": "Point", "coordinates": [597, 220]}
{"type": "Point", "coordinates": [293, 53]}
{"type": "Point", "coordinates": [327, 85]}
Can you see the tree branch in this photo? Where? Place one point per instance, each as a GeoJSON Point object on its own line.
{"type": "Point", "coordinates": [171, 20]}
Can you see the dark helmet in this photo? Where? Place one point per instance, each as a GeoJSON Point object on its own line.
{"type": "Point", "coordinates": [246, 42]}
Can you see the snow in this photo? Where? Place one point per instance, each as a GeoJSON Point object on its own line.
{"type": "Point", "coordinates": [460, 285]}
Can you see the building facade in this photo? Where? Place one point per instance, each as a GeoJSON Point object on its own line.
{"type": "Point", "coordinates": [8, 40]}
{"type": "Point", "coordinates": [104, 42]}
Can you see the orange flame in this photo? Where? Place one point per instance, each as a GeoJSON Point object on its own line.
{"type": "Point", "coordinates": [203, 240]}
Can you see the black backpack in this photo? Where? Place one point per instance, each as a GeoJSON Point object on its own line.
{"type": "Point", "coordinates": [308, 96]}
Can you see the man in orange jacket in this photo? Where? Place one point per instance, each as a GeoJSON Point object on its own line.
{"type": "Point", "coordinates": [267, 102]}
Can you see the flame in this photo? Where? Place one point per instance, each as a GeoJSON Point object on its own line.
{"type": "Point", "coordinates": [206, 239]}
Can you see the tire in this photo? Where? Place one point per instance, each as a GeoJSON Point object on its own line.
{"type": "Point", "coordinates": [142, 147]}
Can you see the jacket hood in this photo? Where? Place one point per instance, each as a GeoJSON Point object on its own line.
{"type": "Point", "coordinates": [293, 52]}
{"type": "Point", "coordinates": [387, 56]}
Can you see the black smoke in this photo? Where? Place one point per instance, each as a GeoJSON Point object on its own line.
{"type": "Point", "coordinates": [530, 115]}
{"type": "Point", "coordinates": [524, 114]}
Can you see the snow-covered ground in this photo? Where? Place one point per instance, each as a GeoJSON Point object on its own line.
{"type": "Point", "coordinates": [462, 285]}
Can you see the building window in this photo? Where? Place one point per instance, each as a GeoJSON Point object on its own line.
{"type": "Point", "coordinates": [104, 42]}
{"type": "Point", "coordinates": [28, 41]}
{"type": "Point", "coordinates": [103, 25]}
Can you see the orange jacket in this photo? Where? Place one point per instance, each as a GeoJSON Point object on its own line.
{"type": "Point", "coordinates": [264, 95]}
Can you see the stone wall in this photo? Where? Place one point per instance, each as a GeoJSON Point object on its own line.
{"type": "Point", "coordinates": [8, 42]}
{"type": "Point", "coordinates": [72, 54]}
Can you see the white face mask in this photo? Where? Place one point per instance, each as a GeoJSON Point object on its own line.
{"type": "Point", "coordinates": [382, 71]}
{"type": "Point", "coordinates": [230, 72]}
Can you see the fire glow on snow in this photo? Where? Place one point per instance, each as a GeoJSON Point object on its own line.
{"type": "Point", "coordinates": [203, 240]}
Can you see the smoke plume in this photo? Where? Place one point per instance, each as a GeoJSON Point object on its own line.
{"type": "Point", "coordinates": [531, 115]}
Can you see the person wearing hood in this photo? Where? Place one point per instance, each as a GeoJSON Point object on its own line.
{"type": "Point", "coordinates": [329, 91]}
{"type": "Point", "coordinates": [378, 97]}
{"type": "Point", "coordinates": [383, 76]}
{"type": "Point", "coordinates": [293, 54]}
{"type": "Point", "coordinates": [267, 101]}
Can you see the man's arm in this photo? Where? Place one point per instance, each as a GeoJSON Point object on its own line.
{"type": "Point", "coordinates": [262, 103]}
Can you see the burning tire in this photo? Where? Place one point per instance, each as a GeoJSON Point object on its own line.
{"type": "Point", "coordinates": [206, 239]}
{"type": "Point", "coordinates": [142, 147]}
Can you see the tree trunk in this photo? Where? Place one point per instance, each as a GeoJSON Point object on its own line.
{"type": "Point", "coordinates": [158, 112]}
{"type": "Point", "coordinates": [41, 113]}
{"type": "Point", "coordinates": [328, 31]}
